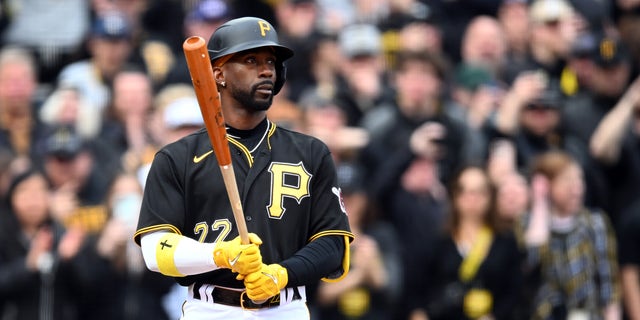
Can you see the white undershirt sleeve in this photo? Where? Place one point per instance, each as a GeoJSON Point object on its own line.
{"type": "Point", "coordinates": [175, 255]}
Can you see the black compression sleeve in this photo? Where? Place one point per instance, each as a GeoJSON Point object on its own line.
{"type": "Point", "coordinates": [315, 261]}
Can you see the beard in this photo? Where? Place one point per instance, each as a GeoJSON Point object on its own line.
{"type": "Point", "coordinates": [249, 98]}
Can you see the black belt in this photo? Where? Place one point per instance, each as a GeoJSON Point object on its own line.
{"type": "Point", "coordinates": [238, 298]}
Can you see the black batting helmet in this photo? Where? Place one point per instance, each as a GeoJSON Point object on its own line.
{"type": "Point", "coordinates": [249, 33]}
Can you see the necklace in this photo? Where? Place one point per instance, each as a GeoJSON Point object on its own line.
{"type": "Point", "coordinates": [261, 139]}
{"type": "Point", "coordinates": [264, 135]}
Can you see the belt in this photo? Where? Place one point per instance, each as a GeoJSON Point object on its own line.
{"type": "Point", "coordinates": [238, 297]}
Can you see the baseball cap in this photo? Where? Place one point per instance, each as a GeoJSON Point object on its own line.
{"type": "Point", "coordinates": [541, 11]}
{"type": "Point", "coordinates": [350, 177]}
{"type": "Point", "coordinates": [63, 142]}
{"type": "Point", "coordinates": [112, 25]}
{"type": "Point", "coordinates": [360, 40]}
{"type": "Point", "coordinates": [210, 11]}
{"type": "Point", "coordinates": [183, 112]}
{"type": "Point", "coordinates": [609, 52]}
{"type": "Point", "coordinates": [604, 50]}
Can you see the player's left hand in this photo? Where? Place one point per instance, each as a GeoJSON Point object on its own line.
{"type": "Point", "coordinates": [267, 282]}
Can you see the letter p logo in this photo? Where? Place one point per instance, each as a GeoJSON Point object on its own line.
{"type": "Point", "coordinates": [264, 27]}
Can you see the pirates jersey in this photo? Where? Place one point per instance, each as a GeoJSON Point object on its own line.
{"type": "Point", "coordinates": [287, 187]}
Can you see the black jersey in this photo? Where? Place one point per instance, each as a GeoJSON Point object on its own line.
{"type": "Point", "coordinates": [287, 187]}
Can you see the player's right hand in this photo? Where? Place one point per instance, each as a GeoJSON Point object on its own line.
{"type": "Point", "coordinates": [240, 258]}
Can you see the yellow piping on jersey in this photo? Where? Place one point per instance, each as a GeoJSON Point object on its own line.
{"type": "Point", "coordinates": [346, 261]}
{"type": "Point", "coordinates": [244, 149]}
{"type": "Point", "coordinates": [157, 227]}
{"type": "Point", "coordinates": [332, 233]}
{"type": "Point", "coordinates": [271, 131]}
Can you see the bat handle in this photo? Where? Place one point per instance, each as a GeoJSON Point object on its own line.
{"type": "Point", "coordinates": [229, 178]}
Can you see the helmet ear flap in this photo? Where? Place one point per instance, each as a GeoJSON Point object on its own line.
{"type": "Point", "coordinates": [281, 77]}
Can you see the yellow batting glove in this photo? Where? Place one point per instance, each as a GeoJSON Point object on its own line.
{"type": "Point", "coordinates": [267, 282]}
{"type": "Point", "coordinates": [240, 258]}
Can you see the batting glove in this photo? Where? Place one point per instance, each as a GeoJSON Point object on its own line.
{"type": "Point", "coordinates": [267, 282]}
{"type": "Point", "coordinates": [240, 258]}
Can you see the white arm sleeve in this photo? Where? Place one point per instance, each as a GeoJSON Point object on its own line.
{"type": "Point", "coordinates": [187, 258]}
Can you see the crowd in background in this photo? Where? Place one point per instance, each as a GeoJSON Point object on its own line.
{"type": "Point", "coordinates": [488, 151]}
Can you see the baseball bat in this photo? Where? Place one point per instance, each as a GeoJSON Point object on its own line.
{"type": "Point", "coordinates": [199, 64]}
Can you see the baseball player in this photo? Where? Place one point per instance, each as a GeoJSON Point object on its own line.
{"type": "Point", "coordinates": [299, 231]}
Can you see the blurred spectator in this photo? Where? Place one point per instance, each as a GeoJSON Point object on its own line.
{"type": "Point", "coordinates": [475, 95]}
{"type": "Point", "coordinates": [328, 122]}
{"type": "Point", "coordinates": [325, 64]}
{"type": "Point", "coordinates": [333, 15]}
{"type": "Point", "coordinates": [420, 35]}
{"type": "Point", "coordinates": [297, 30]}
{"type": "Point", "coordinates": [455, 17]}
{"type": "Point", "coordinates": [181, 118]}
{"type": "Point", "coordinates": [115, 264]}
{"type": "Point", "coordinates": [372, 287]}
{"type": "Point", "coordinates": [553, 30]}
{"type": "Point", "coordinates": [370, 11]}
{"type": "Point", "coordinates": [67, 106]}
{"type": "Point", "coordinates": [615, 145]}
{"type": "Point", "coordinates": [571, 247]}
{"type": "Point", "coordinates": [125, 126]}
{"type": "Point", "coordinates": [36, 25]}
{"type": "Point", "coordinates": [484, 45]}
{"type": "Point", "coordinates": [629, 241]}
{"type": "Point", "coordinates": [475, 271]}
{"type": "Point", "coordinates": [416, 111]}
{"type": "Point", "coordinates": [37, 273]}
{"type": "Point", "coordinates": [513, 16]}
{"type": "Point", "coordinates": [602, 67]}
{"type": "Point", "coordinates": [162, 99]}
{"type": "Point", "coordinates": [362, 84]}
{"type": "Point", "coordinates": [20, 129]}
{"type": "Point", "coordinates": [79, 182]}
{"type": "Point", "coordinates": [205, 17]}
{"type": "Point", "coordinates": [110, 44]}
{"type": "Point", "coordinates": [408, 25]}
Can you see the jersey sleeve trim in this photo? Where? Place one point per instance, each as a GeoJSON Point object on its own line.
{"type": "Point", "coordinates": [139, 233]}
{"type": "Point", "coordinates": [348, 234]}
{"type": "Point", "coordinates": [346, 262]}
{"type": "Point", "coordinates": [346, 258]}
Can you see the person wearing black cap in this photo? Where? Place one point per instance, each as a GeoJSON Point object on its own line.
{"type": "Point", "coordinates": [78, 183]}
{"type": "Point", "coordinates": [110, 45]}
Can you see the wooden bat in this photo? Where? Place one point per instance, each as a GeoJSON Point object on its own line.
{"type": "Point", "coordinates": [197, 56]}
